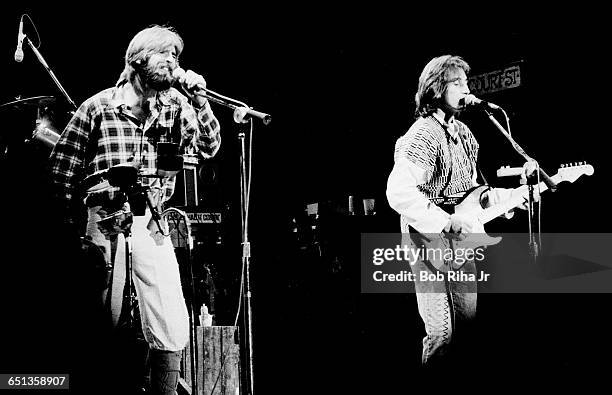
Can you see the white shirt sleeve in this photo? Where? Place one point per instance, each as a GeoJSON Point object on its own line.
{"type": "Point", "coordinates": [407, 200]}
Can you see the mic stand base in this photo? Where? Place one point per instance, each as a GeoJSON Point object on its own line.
{"type": "Point", "coordinates": [534, 246]}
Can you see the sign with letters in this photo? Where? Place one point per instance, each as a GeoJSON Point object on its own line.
{"type": "Point", "coordinates": [204, 218]}
{"type": "Point", "coordinates": [198, 217]}
{"type": "Point", "coordinates": [494, 81]}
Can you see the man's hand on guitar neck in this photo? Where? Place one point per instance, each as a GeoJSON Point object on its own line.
{"type": "Point", "coordinates": [460, 225]}
{"type": "Point", "coordinates": [499, 195]}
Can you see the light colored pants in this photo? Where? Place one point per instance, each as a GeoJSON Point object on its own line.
{"type": "Point", "coordinates": [444, 307]}
{"type": "Point", "coordinates": [447, 308]}
{"type": "Point", "coordinates": [155, 272]}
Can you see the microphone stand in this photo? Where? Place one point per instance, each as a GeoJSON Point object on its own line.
{"type": "Point", "coordinates": [534, 247]}
{"type": "Point", "coordinates": [46, 66]}
{"type": "Point", "coordinates": [242, 115]}
{"type": "Point", "coordinates": [246, 257]}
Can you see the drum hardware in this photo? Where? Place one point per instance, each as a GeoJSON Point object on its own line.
{"type": "Point", "coordinates": [47, 137]}
{"type": "Point", "coordinates": [44, 131]}
{"type": "Point", "coordinates": [29, 102]}
{"type": "Point", "coordinates": [126, 178]}
{"type": "Point", "coordinates": [45, 134]}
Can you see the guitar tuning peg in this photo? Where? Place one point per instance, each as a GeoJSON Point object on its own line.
{"type": "Point", "coordinates": [562, 165]}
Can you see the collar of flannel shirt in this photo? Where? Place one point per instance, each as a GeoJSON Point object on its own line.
{"type": "Point", "coordinates": [162, 101]}
{"type": "Point", "coordinates": [118, 99]}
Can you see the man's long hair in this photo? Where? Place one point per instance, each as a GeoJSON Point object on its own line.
{"type": "Point", "coordinates": [433, 82]}
{"type": "Point", "coordinates": [150, 40]}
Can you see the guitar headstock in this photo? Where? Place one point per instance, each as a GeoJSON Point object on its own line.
{"type": "Point", "coordinates": [571, 172]}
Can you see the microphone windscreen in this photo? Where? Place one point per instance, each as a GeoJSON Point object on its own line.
{"type": "Point", "coordinates": [471, 100]}
{"type": "Point", "coordinates": [19, 56]}
{"type": "Point", "coordinates": [178, 73]}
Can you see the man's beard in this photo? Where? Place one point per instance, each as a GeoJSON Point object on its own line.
{"type": "Point", "coordinates": [154, 80]}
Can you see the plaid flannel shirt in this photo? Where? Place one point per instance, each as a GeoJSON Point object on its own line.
{"type": "Point", "coordinates": [103, 133]}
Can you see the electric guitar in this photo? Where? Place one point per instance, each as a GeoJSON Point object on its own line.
{"type": "Point", "coordinates": [443, 248]}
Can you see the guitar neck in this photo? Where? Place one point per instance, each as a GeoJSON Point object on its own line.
{"type": "Point", "coordinates": [492, 212]}
{"type": "Point", "coordinates": [521, 194]}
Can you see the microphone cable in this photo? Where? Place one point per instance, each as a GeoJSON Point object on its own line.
{"type": "Point", "coordinates": [38, 39]}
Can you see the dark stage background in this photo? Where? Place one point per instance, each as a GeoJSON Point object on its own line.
{"type": "Point", "coordinates": [339, 85]}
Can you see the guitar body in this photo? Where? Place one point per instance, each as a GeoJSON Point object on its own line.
{"type": "Point", "coordinates": [445, 254]}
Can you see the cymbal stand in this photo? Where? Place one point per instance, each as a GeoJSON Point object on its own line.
{"type": "Point", "coordinates": [129, 305]}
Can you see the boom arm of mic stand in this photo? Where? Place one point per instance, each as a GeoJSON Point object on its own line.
{"type": "Point", "coordinates": [240, 112]}
{"type": "Point", "coordinates": [547, 180]}
{"type": "Point", "coordinates": [46, 66]}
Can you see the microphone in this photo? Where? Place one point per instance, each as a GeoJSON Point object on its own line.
{"type": "Point", "coordinates": [240, 113]}
{"type": "Point", "coordinates": [20, 37]}
{"type": "Point", "coordinates": [179, 73]}
{"type": "Point", "coordinates": [471, 100]}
